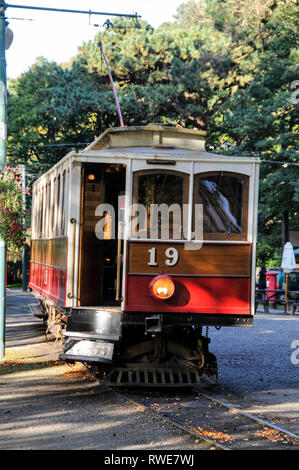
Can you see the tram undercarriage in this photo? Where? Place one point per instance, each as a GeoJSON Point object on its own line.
{"type": "Point", "coordinates": [150, 354]}
{"type": "Point", "coordinates": [162, 361]}
{"type": "Point", "coordinates": [139, 349]}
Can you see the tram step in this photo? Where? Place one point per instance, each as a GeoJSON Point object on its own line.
{"type": "Point", "coordinates": [36, 310]}
{"type": "Point", "coordinates": [157, 377]}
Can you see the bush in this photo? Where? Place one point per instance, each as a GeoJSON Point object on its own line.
{"type": "Point", "coordinates": [13, 217]}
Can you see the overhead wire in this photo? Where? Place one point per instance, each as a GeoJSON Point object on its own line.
{"type": "Point", "coordinates": [75, 144]}
{"type": "Point", "coordinates": [54, 145]}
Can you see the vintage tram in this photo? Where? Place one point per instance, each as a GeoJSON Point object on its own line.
{"type": "Point", "coordinates": [139, 241]}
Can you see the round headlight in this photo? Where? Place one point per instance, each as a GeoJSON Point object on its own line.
{"type": "Point", "coordinates": [162, 287]}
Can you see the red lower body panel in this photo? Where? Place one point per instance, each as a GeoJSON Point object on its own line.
{"type": "Point", "coordinates": [214, 295]}
{"type": "Point", "coordinates": [48, 281]}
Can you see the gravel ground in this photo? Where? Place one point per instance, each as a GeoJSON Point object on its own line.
{"type": "Point", "coordinates": [256, 368]}
{"type": "Point", "coordinates": [51, 406]}
{"type": "Point", "coordinates": [230, 429]}
{"type": "Point", "coordinates": [48, 405]}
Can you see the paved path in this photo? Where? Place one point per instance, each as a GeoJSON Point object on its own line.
{"type": "Point", "coordinates": [259, 366]}
{"type": "Point", "coordinates": [49, 405]}
{"type": "Point", "coordinates": [46, 404]}
{"type": "Point", "coordinates": [25, 334]}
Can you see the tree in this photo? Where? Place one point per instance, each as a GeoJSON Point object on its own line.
{"type": "Point", "coordinates": [48, 107]}
{"type": "Point", "coordinates": [243, 19]}
{"type": "Point", "coordinates": [192, 13]}
{"type": "Point", "coordinates": [261, 119]}
{"type": "Point", "coordinates": [226, 66]}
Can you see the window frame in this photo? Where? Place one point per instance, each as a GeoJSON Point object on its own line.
{"type": "Point", "coordinates": [57, 205]}
{"type": "Point", "coordinates": [243, 236]}
{"type": "Point", "coordinates": [186, 185]}
{"type": "Point", "coordinates": [62, 226]}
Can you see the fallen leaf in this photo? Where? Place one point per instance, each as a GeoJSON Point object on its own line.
{"type": "Point", "coordinates": [217, 436]}
{"type": "Point", "coordinates": [276, 436]}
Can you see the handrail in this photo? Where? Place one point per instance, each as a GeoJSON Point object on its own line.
{"type": "Point", "coordinates": [119, 239]}
{"type": "Point", "coordinates": [71, 294]}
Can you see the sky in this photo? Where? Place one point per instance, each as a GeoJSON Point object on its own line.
{"type": "Point", "coordinates": [57, 36]}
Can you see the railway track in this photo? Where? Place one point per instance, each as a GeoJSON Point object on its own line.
{"type": "Point", "coordinates": [208, 419]}
{"type": "Point", "coordinates": [214, 422]}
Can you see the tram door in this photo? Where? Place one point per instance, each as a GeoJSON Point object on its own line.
{"type": "Point", "coordinates": [100, 250]}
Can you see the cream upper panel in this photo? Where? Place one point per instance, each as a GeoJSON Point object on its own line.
{"type": "Point", "coordinates": [150, 135]}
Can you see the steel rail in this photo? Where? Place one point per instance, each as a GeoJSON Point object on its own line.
{"type": "Point", "coordinates": [170, 422]}
{"type": "Point", "coordinates": [209, 441]}
{"type": "Point", "coordinates": [229, 406]}
{"type": "Point", "coordinates": [220, 403]}
{"type": "Point", "coordinates": [189, 431]}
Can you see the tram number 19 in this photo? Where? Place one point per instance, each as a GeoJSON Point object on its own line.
{"type": "Point", "coordinates": [172, 257]}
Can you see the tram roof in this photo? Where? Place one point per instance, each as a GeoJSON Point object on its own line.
{"type": "Point", "coordinates": [177, 142]}
{"type": "Point", "coordinates": [152, 135]}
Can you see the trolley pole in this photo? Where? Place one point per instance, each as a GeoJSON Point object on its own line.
{"type": "Point", "coordinates": [3, 124]}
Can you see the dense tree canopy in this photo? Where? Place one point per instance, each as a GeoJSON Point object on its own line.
{"type": "Point", "coordinates": [225, 66]}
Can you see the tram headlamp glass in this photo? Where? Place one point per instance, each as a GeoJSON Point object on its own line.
{"type": "Point", "coordinates": [91, 177]}
{"type": "Point", "coordinates": [162, 287]}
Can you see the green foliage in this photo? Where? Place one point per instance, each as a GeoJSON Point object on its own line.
{"type": "Point", "coordinates": [47, 107]}
{"type": "Point", "coordinates": [13, 217]}
{"type": "Point", "coordinates": [226, 66]}
{"type": "Point", "coordinates": [192, 12]}
{"type": "Point", "coordinates": [261, 119]}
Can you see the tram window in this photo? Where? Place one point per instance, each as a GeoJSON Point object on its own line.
{"type": "Point", "coordinates": [34, 214]}
{"type": "Point", "coordinates": [53, 207]}
{"type": "Point", "coordinates": [57, 206]}
{"type": "Point", "coordinates": [49, 187]}
{"type": "Point", "coordinates": [38, 214]}
{"type": "Point", "coordinates": [62, 204]}
{"type": "Point", "coordinates": [224, 197]}
{"type": "Point", "coordinates": [46, 192]}
{"type": "Point", "coordinates": [163, 195]}
{"type": "Point", "coordinates": [36, 207]}
{"type": "Point", "coordinates": [41, 220]}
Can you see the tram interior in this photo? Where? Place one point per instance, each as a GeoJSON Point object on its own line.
{"type": "Point", "coordinates": [100, 250]}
